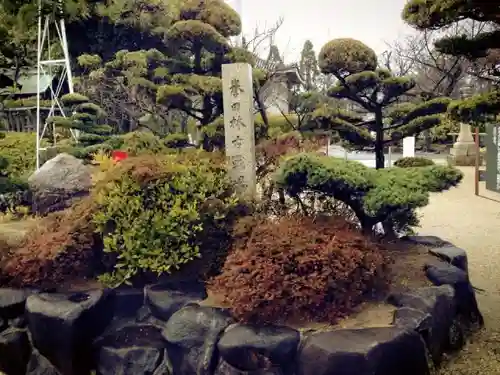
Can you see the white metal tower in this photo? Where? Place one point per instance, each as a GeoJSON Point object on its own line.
{"type": "Point", "coordinates": [51, 37]}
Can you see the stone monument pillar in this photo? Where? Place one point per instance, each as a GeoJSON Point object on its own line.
{"type": "Point", "coordinates": [237, 92]}
{"type": "Point", "coordinates": [464, 150]}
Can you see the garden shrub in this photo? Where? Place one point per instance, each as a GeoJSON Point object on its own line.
{"type": "Point", "coordinates": [375, 196]}
{"type": "Point", "coordinates": [20, 151]}
{"type": "Point", "coordinates": [63, 246]}
{"type": "Point", "coordinates": [13, 189]}
{"type": "Point", "coordinates": [141, 142]}
{"type": "Point", "coordinates": [157, 214]}
{"type": "Point", "coordinates": [297, 267]}
{"type": "Point", "coordinates": [410, 162]}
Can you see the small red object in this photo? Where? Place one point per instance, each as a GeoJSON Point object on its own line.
{"type": "Point", "coordinates": [119, 155]}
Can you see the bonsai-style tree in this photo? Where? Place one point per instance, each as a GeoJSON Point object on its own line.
{"type": "Point", "coordinates": [373, 90]}
{"type": "Point", "coordinates": [85, 118]}
{"type": "Point", "coordinates": [438, 14]}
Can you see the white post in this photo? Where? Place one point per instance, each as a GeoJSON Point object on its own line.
{"type": "Point", "coordinates": [237, 84]}
{"type": "Point", "coordinates": [389, 157]}
{"type": "Point", "coordinates": [409, 147]}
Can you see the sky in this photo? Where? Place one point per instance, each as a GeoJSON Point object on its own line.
{"type": "Point", "coordinates": [373, 22]}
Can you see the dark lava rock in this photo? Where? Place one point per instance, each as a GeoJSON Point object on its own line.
{"type": "Point", "coordinates": [429, 311]}
{"type": "Point", "coordinates": [432, 241]}
{"type": "Point", "coordinates": [443, 273]}
{"type": "Point", "coordinates": [192, 334]}
{"type": "Point", "coordinates": [39, 365]}
{"type": "Point", "coordinates": [63, 326]}
{"type": "Point", "coordinates": [251, 348]}
{"type": "Point", "coordinates": [453, 255]}
{"type": "Point", "coordinates": [166, 298]}
{"type": "Point", "coordinates": [127, 301]}
{"type": "Point", "coordinates": [12, 302]}
{"type": "Point", "coordinates": [15, 350]}
{"type": "Point", "coordinates": [132, 350]}
{"type": "Point", "coordinates": [366, 351]}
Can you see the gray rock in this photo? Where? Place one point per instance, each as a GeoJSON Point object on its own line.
{"type": "Point", "coordinates": [58, 183]}
{"type": "Point", "coordinates": [366, 351]}
{"type": "Point", "coordinates": [453, 255]}
{"type": "Point", "coordinates": [444, 273]}
{"type": "Point", "coordinates": [164, 299]}
{"type": "Point", "coordinates": [63, 326]}
{"type": "Point", "coordinates": [39, 365]}
{"type": "Point", "coordinates": [252, 348]}
{"type": "Point", "coordinates": [15, 350]}
{"type": "Point", "coordinates": [430, 312]}
{"type": "Point", "coordinates": [192, 334]}
{"type": "Point", "coordinates": [132, 350]}
{"type": "Point", "coordinates": [12, 302]}
{"type": "Point", "coordinates": [432, 241]}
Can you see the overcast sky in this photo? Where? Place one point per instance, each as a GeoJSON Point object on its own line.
{"type": "Point", "coordinates": [371, 21]}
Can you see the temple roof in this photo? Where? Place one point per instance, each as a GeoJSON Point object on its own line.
{"type": "Point", "coordinates": [278, 67]}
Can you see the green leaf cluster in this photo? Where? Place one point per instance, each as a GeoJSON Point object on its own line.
{"type": "Point", "coordinates": [373, 195]}
{"type": "Point", "coordinates": [156, 214]}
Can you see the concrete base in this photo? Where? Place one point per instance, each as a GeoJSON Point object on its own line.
{"type": "Point", "coordinates": [463, 160]}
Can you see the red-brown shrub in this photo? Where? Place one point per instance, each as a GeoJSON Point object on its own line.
{"type": "Point", "coordinates": [314, 269]}
{"type": "Point", "coordinates": [62, 248]}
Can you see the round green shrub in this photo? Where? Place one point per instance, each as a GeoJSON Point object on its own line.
{"type": "Point", "coordinates": [410, 162]}
{"type": "Point", "coordinates": [157, 214]}
{"type": "Point", "coordinates": [346, 55]}
{"type": "Point", "coordinates": [20, 151]}
{"type": "Point", "coordinates": [140, 142]}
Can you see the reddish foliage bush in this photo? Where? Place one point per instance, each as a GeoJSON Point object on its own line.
{"type": "Point", "coordinates": [62, 248]}
{"type": "Point", "coordinates": [314, 269]}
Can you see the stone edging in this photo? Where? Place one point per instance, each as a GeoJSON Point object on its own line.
{"type": "Point", "coordinates": [163, 330]}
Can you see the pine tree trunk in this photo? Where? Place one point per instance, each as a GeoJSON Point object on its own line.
{"type": "Point", "coordinates": [379, 141]}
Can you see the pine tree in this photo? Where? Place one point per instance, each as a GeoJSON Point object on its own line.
{"type": "Point", "coordinates": [308, 66]}
{"type": "Point", "coordinates": [375, 91]}
{"type": "Point", "coordinates": [438, 14]}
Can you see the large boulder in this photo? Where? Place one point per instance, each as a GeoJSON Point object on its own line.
{"type": "Point", "coordinates": [366, 351]}
{"type": "Point", "coordinates": [164, 299]}
{"type": "Point", "coordinates": [192, 334]}
{"type": "Point", "coordinates": [252, 349]}
{"type": "Point", "coordinates": [431, 312]}
{"type": "Point", "coordinates": [15, 351]}
{"type": "Point", "coordinates": [58, 183]}
{"type": "Point", "coordinates": [132, 350]}
{"type": "Point", "coordinates": [63, 326]}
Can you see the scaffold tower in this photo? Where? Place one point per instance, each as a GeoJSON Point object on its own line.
{"type": "Point", "coordinates": [51, 41]}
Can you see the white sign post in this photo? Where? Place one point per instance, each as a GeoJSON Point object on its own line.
{"type": "Point", "coordinates": [237, 91]}
{"type": "Point", "coordinates": [409, 147]}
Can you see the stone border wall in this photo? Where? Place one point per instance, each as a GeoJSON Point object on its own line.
{"type": "Point", "coordinates": [163, 330]}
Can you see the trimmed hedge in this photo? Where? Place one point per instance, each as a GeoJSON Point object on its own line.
{"type": "Point", "coordinates": [385, 195]}
{"type": "Point", "coordinates": [410, 162]}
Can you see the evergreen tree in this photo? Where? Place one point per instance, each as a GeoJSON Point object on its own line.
{"type": "Point", "coordinates": [375, 91]}
{"type": "Point", "coordinates": [308, 66]}
{"type": "Point", "coordinates": [437, 14]}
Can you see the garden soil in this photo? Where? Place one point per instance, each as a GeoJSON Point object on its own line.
{"type": "Point", "coordinates": [472, 223]}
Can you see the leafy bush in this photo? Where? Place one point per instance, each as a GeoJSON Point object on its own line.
{"type": "Point", "coordinates": [156, 214]}
{"type": "Point", "coordinates": [314, 268]}
{"type": "Point", "coordinates": [375, 196]}
{"type": "Point", "coordinates": [13, 189]}
{"type": "Point", "coordinates": [409, 162]}
{"type": "Point", "coordinates": [63, 246]}
{"type": "Point", "coordinates": [137, 143]}
{"type": "Point", "coordinates": [19, 149]}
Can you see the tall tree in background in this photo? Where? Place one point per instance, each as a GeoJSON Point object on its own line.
{"type": "Point", "coordinates": [375, 90]}
{"type": "Point", "coordinates": [308, 66]}
{"type": "Point", "coordinates": [439, 14]}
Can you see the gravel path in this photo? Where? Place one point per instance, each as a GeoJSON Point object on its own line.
{"type": "Point", "coordinates": [473, 223]}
